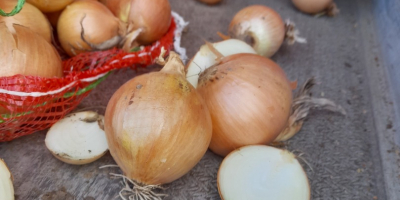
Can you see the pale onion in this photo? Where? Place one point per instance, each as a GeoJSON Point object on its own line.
{"type": "Point", "coordinates": [263, 29]}
{"type": "Point", "coordinates": [260, 172]}
{"type": "Point", "coordinates": [78, 139]}
{"type": "Point", "coordinates": [206, 57]}
{"type": "Point", "coordinates": [50, 5]}
{"type": "Point", "coordinates": [249, 98]}
{"type": "Point", "coordinates": [152, 17]}
{"type": "Point", "coordinates": [210, 2]}
{"type": "Point", "coordinates": [6, 182]}
{"type": "Point", "coordinates": [29, 16]}
{"type": "Point", "coordinates": [316, 6]}
{"type": "Point", "coordinates": [157, 125]}
{"type": "Point", "coordinates": [99, 27]}
{"type": "Point", "coordinates": [27, 53]}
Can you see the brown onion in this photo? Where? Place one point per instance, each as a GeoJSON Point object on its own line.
{"type": "Point", "coordinates": [249, 98]}
{"type": "Point", "coordinates": [157, 125]}
{"type": "Point", "coordinates": [29, 16]}
{"type": "Point", "coordinates": [100, 28]}
{"type": "Point", "coordinates": [50, 5]}
{"type": "Point", "coordinates": [210, 2]}
{"type": "Point", "coordinates": [152, 16]}
{"type": "Point", "coordinates": [316, 6]}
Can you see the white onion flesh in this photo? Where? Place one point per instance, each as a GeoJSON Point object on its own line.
{"type": "Point", "coordinates": [260, 172]}
{"type": "Point", "coordinates": [205, 58]}
{"type": "Point", "coordinates": [78, 139]}
{"type": "Point", "coordinates": [6, 184]}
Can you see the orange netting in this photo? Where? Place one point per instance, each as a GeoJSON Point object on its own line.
{"type": "Point", "coordinates": [29, 104]}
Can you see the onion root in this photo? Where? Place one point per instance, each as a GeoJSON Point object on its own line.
{"type": "Point", "coordinates": [292, 34]}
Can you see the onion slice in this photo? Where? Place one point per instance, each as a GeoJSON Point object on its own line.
{"type": "Point", "coordinates": [207, 57]}
{"type": "Point", "coordinates": [260, 172]}
{"type": "Point", "coordinates": [6, 183]}
{"type": "Point", "coordinates": [78, 139]}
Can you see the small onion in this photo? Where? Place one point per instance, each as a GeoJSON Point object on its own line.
{"type": "Point", "coordinates": [27, 53]}
{"type": "Point", "coordinates": [249, 98]}
{"type": "Point", "coordinates": [100, 28]}
{"type": "Point", "coordinates": [153, 17]}
{"type": "Point", "coordinates": [259, 172]}
{"type": "Point", "coordinates": [6, 182]}
{"type": "Point", "coordinates": [29, 16]}
{"type": "Point", "coordinates": [210, 2]}
{"type": "Point", "coordinates": [316, 6]}
{"type": "Point", "coordinates": [205, 57]}
{"type": "Point", "coordinates": [157, 125]}
{"type": "Point", "coordinates": [50, 5]}
{"type": "Point", "coordinates": [78, 138]}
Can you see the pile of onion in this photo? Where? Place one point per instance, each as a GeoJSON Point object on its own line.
{"type": "Point", "coordinates": [157, 125]}
{"type": "Point", "coordinates": [6, 182]}
{"type": "Point", "coordinates": [259, 172]}
{"type": "Point", "coordinates": [263, 29]}
{"type": "Point", "coordinates": [29, 16]}
{"type": "Point", "coordinates": [314, 7]}
{"type": "Point", "coordinates": [151, 17]}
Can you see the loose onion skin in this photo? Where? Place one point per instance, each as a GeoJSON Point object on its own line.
{"type": "Point", "coordinates": [153, 16]}
{"type": "Point", "coordinates": [249, 98]}
{"type": "Point", "coordinates": [99, 25]}
{"type": "Point", "coordinates": [50, 5]}
{"type": "Point", "coordinates": [262, 26]}
{"type": "Point", "coordinates": [157, 125]}
{"type": "Point", "coordinates": [29, 16]}
{"type": "Point", "coordinates": [315, 6]}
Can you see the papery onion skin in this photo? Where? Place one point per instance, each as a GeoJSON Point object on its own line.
{"type": "Point", "coordinates": [50, 5]}
{"type": "Point", "coordinates": [312, 6]}
{"type": "Point", "coordinates": [157, 126]}
{"type": "Point", "coordinates": [99, 26]}
{"type": "Point", "coordinates": [249, 98]}
{"type": "Point", "coordinates": [262, 26]}
{"type": "Point", "coordinates": [153, 16]}
{"type": "Point", "coordinates": [27, 53]}
{"type": "Point", "coordinates": [29, 16]}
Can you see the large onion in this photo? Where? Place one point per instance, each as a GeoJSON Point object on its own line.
{"type": "Point", "coordinates": [260, 172]}
{"type": "Point", "coordinates": [157, 125]}
{"type": "Point", "coordinates": [50, 5]}
{"type": "Point", "coordinates": [249, 98]}
{"type": "Point", "coordinates": [29, 16]}
{"type": "Point", "coordinates": [101, 29]}
{"type": "Point", "coordinates": [153, 17]}
{"type": "Point", "coordinates": [27, 53]}
{"type": "Point", "coordinates": [6, 182]}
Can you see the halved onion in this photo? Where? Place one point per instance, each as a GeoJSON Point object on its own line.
{"type": "Point", "coordinates": [6, 182]}
{"type": "Point", "coordinates": [259, 172]}
{"type": "Point", "coordinates": [78, 139]}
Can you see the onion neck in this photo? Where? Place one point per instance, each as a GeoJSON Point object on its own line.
{"type": "Point", "coordinates": [174, 65]}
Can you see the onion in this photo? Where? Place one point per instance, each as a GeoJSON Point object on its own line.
{"type": "Point", "coordinates": [205, 57]}
{"type": "Point", "coordinates": [27, 53]}
{"type": "Point", "coordinates": [263, 28]}
{"type": "Point", "coordinates": [210, 2]}
{"type": "Point", "coordinates": [6, 182]}
{"type": "Point", "coordinates": [87, 25]}
{"type": "Point", "coordinates": [157, 125]}
{"type": "Point", "coordinates": [152, 17]}
{"type": "Point", "coordinates": [78, 138]}
{"type": "Point", "coordinates": [29, 16]}
{"type": "Point", "coordinates": [50, 5]}
{"type": "Point", "coordinates": [249, 98]}
{"type": "Point", "coordinates": [316, 6]}
{"type": "Point", "coordinates": [259, 172]}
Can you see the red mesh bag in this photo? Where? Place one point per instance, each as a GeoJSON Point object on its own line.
{"type": "Point", "coordinates": [36, 103]}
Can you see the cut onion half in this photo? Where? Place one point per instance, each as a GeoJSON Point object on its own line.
{"type": "Point", "coordinates": [260, 172]}
{"type": "Point", "coordinates": [206, 58]}
{"type": "Point", "coordinates": [6, 182]}
{"type": "Point", "coordinates": [78, 139]}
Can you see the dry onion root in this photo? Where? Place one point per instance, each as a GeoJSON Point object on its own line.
{"type": "Point", "coordinates": [259, 172]}
{"type": "Point", "coordinates": [157, 126]}
{"type": "Point", "coordinates": [78, 138]}
{"type": "Point", "coordinates": [317, 7]}
{"type": "Point", "coordinates": [263, 29]}
{"type": "Point", "coordinates": [6, 182]}
{"type": "Point", "coordinates": [303, 102]}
